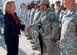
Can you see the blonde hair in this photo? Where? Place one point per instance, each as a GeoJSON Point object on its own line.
{"type": "Point", "coordinates": [7, 6]}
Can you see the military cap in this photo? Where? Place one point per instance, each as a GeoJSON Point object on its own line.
{"type": "Point", "coordinates": [57, 2]}
{"type": "Point", "coordinates": [45, 2]}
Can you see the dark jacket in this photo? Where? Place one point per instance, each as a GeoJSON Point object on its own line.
{"type": "Point", "coordinates": [11, 29]}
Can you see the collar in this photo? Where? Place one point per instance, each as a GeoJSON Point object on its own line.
{"type": "Point", "coordinates": [68, 12]}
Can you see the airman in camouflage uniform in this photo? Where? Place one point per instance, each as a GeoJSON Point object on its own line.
{"type": "Point", "coordinates": [34, 33]}
{"type": "Point", "coordinates": [23, 12]}
{"type": "Point", "coordinates": [68, 41]}
{"type": "Point", "coordinates": [49, 28]}
{"type": "Point", "coordinates": [36, 29]}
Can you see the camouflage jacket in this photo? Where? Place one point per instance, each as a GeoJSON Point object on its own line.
{"type": "Point", "coordinates": [69, 29]}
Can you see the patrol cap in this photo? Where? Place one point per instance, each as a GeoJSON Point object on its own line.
{"type": "Point", "coordinates": [32, 2]}
{"type": "Point", "coordinates": [38, 2]}
{"type": "Point", "coordinates": [57, 2]}
{"type": "Point", "coordinates": [45, 2]}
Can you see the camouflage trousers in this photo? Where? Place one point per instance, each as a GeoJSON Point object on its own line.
{"type": "Point", "coordinates": [68, 51]}
{"type": "Point", "coordinates": [35, 38]}
{"type": "Point", "coordinates": [49, 46]}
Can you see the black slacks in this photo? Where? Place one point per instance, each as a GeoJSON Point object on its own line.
{"type": "Point", "coordinates": [12, 44]}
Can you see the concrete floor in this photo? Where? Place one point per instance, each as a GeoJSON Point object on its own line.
{"type": "Point", "coordinates": [24, 47]}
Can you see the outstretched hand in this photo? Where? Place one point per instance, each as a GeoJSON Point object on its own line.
{"type": "Point", "coordinates": [28, 26]}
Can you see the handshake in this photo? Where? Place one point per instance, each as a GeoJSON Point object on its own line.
{"type": "Point", "coordinates": [31, 26]}
{"type": "Point", "coordinates": [28, 26]}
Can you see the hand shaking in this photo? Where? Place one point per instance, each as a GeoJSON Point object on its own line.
{"type": "Point", "coordinates": [28, 26]}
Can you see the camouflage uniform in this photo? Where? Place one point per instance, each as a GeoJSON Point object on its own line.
{"type": "Point", "coordinates": [32, 15]}
{"type": "Point", "coordinates": [27, 18]}
{"type": "Point", "coordinates": [35, 29]}
{"type": "Point", "coordinates": [68, 41]}
{"type": "Point", "coordinates": [31, 22]}
{"type": "Point", "coordinates": [49, 29]}
{"type": "Point", "coordinates": [57, 11]}
{"type": "Point", "coordinates": [22, 16]}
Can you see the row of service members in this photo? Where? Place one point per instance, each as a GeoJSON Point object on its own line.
{"type": "Point", "coordinates": [49, 28]}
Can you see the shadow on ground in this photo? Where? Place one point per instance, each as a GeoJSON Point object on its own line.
{"type": "Point", "coordinates": [2, 45]}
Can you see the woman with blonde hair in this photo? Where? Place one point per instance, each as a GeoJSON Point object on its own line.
{"type": "Point", "coordinates": [12, 28]}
